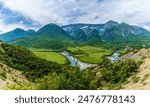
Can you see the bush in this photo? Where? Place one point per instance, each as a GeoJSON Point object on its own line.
{"type": "Point", "coordinates": [2, 75]}
{"type": "Point", "coordinates": [135, 78]}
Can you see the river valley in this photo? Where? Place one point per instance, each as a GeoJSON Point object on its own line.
{"type": "Point", "coordinates": [83, 65]}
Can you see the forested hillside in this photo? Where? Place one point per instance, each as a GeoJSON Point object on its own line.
{"type": "Point", "coordinates": [24, 60]}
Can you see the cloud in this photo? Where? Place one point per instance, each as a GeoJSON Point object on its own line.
{"type": "Point", "coordinates": [4, 28]}
{"type": "Point", "coordinates": [10, 20]}
{"type": "Point", "coordinates": [61, 11]}
{"type": "Point", "coordinates": [41, 12]}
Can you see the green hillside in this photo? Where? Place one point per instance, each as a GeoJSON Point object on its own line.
{"type": "Point", "coordinates": [50, 36]}
{"type": "Point", "coordinates": [22, 59]}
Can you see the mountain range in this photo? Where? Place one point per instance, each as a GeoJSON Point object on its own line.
{"type": "Point", "coordinates": [59, 37]}
{"type": "Point", "coordinates": [107, 31]}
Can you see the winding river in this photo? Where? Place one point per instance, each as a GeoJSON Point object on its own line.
{"type": "Point", "coordinates": [75, 62]}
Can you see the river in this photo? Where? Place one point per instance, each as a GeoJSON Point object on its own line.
{"type": "Point", "coordinates": [83, 65]}
{"type": "Point", "coordinates": [75, 62]}
{"type": "Point", "coordinates": [114, 57]}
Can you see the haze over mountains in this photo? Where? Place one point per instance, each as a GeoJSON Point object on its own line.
{"type": "Point", "coordinates": [67, 35]}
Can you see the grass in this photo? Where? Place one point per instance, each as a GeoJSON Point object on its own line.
{"type": "Point", "coordinates": [49, 55]}
{"type": "Point", "coordinates": [87, 54]}
{"type": "Point", "coordinates": [52, 56]}
{"type": "Point", "coordinates": [90, 54]}
{"type": "Point", "coordinates": [40, 50]}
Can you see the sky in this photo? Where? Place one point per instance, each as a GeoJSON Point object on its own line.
{"type": "Point", "coordinates": [33, 14]}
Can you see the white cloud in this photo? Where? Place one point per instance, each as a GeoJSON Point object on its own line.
{"type": "Point", "coordinates": [82, 11]}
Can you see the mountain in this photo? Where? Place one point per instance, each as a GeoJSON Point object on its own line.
{"type": "Point", "coordinates": [50, 36]}
{"type": "Point", "coordinates": [30, 31]}
{"type": "Point", "coordinates": [53, 31]}
{"type": "Point", "coordinates": [94, 35]}
{"type": "Point", "coordinates": [86, 28]}
{"type": "Point", "coordinates": [109, 31]}
{"type": "Point", "coordinates": [123, 31]}
{"type": "Point", "coordinates": [79, 35]}
{"type": "Point", "coordinates": [15, 34]}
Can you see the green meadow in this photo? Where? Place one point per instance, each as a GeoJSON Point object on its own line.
{"type": "Point", "coordinates": [90, 54]}
{"type": "Point", "coordinates": [51, 56]}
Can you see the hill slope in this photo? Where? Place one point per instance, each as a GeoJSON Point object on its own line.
{"type": "Point", "coordinates": [24, 60]}
{"type": "Point", "coordinates": [141, 80]}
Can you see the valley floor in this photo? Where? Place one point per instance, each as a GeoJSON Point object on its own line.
{"type": "Point", "coordinates": [51, 56]}
{"type": "Point", "coordinates": [89, 54]}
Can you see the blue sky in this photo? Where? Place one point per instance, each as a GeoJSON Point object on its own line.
{"type": "Point", "coordinates": [33, 14]}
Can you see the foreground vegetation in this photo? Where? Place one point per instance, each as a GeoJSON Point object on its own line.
{"type": "Point", "coordinates": [46, 75]}
{"type": "Point", "coordinates": [107, 76]}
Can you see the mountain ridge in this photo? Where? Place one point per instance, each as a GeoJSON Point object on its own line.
{"type": "Point", "coordinates": [122, 28]}
{"type": "Point", "coordinates": [60, 37]}
{"type": "Point", "coordinates": [49, 36]}
{"type": "Point", "coordinates": [15, 34]}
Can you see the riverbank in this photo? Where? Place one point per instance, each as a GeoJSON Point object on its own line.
{"type": "Point", "coordinates": [114, 57]}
